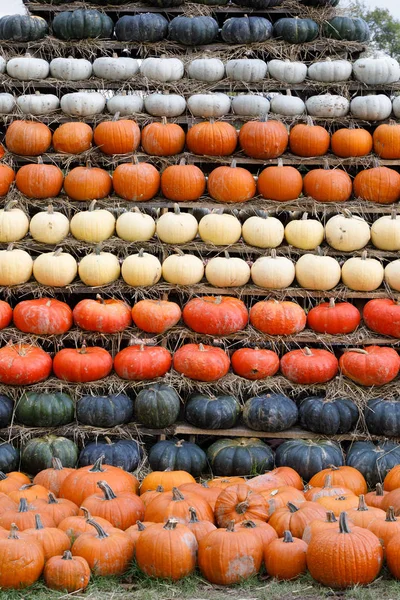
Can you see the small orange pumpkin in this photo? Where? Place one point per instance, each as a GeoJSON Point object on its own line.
{"type": "Point", "coordinates": [163, 139]}
{"type": "Point", "coordinates": [231, 184]}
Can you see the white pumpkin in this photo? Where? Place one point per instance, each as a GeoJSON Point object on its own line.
{"type": "Point", "coordinates": [141, 270]}
{"type": "Point", "coordinates": [371, 108]}
{"type": "Point", "coordinates": [330, 71]}
{"type": "Point", "coordinates": [83, 104]}
{"type": "Point", "coordinates": [125, 104]}
{"type": "Point", "coordinates": [273, 272]}
{"type": "Point", "coordinates": [287, 105]}
{"type": "Point", "coordinates": [92, 225]}
{"type": "Point", "coordinates": [362, 274]}
{"type": "Point", "coordinates": [378, 69]}
{"type": "Point", "coordinates": [14, 223]}
{"type": "Point", "coordinates": [288, 71]}
{"type": "Point", "coordinates": [99, 268]}
{"type": "Point", "coordinates": [209, 105]}
{"type": "Point", "coordinates": [3, 64]}
{"type": "Point", "coordinates": [49, 227]}
{"type": "Point", "coordinates": [263, 232]}
{"type": "Point", "coordinates": [227, 271]}
{"type": "Point", "coordinates": [176, 227]}
{"type": "Point", "coordinates": [70, 69]}
{"type": "Point", "coordinates": [396, 107]}
{"type": "Point", "coordinates": [327, 106]}
{"type": "Point", "coordinates": [115, 68]}
{"type": "Point", "coordinates": [182, 269]}
{"type": "Point", "coordinates": [220, 229]}
{"type": "Point", "coordinates": [15, 266]}
{"type": "Point", "coordinates": [316, 272]}
{"type": "Point", "coordinates": [385, 232]}
{"type": "Point", "coordinates": [248, 70]}
{"type": "Point", "coordinates": [135, 226]}
{"type": "Point", "coordinates": [162, 69]}
{"type": "Point", "coordinates": [38, 104]}
{"type": "Point", "coordinates": [7, 103]}
{"type": "Point", "coordinates": [27, 68]}
{"type": "Point", "coordinates": [165, 105]}
{"type": "Point", "coordinates": [250, 105]}
{"type": "Point", "coordinates": [347, 232]}
{"type": "Point", "coordinates": [206, 69]}
{"type": "Point", "coordinates": [392, 275]}
{"type": "Point", "coordinates": [56, 269]}
{"type": "Point", "coordinates": [304, 233]}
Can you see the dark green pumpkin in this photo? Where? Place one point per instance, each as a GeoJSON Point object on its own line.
{"type": "Point", "coordinates": [22, 28]}
{"type": "Point", "coordinates": [382, 417]}
{"type": "Point", "coordinates": [9, 458]}
{"type": "Point", "coordinates": [178, 455]}
{"type": "Point", "coordinates": [352, 29]}
{"type": "Point", "coordinates": [240, 456]}
{"type": "Point", "coordinates": [212, 412]}
{"type": "Point", "coordinates": [307, 457]}
{"type": "Point", "coordinates": [145, 27]}
{"type": "Point", "coordinates": [246, 30]}
{"type": "Point", "coordinates": [82, 24]}
{"type": "Point", "coordinates": [104, 411]}
{"type": "Point", "coordinates": [193, 31]}
{"type": "Point", "coordinates": [270, 412]}
{"type": "Point", "coordinates": [157, 406]}
{"type": "Point", "coordinates": [45, 409]}
{"type": "Point", "coordinates": [329, 417]}
{"type": "Point", "coordinates": [212, 2]}
{"type": "Point", "coordinates": [126, 454]}
{"type": "Point", "coordinates": [373, 459]}
{"type": "Point", "coordinates": [318, 3]}
{"type": "Point", "coordinates": [259, 4]}
{"type": "Point", "coordinates": [6, 411]}
{"type": "Point", "coordinates": [296, 31]}
{"type": "Point", "coordinates": [165, 3]}
{"type": "Point", "coordinates": [38, 453]}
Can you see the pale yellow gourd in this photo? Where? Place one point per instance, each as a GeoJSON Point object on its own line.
{"type": "Point", "coordinates": [176, 227]}
{"type": "Point", "coordinates": [135, 226]}
{"type": "Point", "coordinates": [317, 272]}
{"type": "Point", "coordinates": [347, 232]}
{"type": "Point", "coordinates": [49, 227]}
{"type": "Point", "coordinates": [273, 272]}
{"type": "Point", "coordinates": [385, 232]}
{"type": "Point", "coordinates": [362, 274]}
{"type": "Point", "coordinates": [14, 224]}
{"type": "Point", "coordinates": [183, 269]}
{"type": "Point", "coordinates": [227, 271]}
{"type": "Point", "coordinates": [220, 229]}
{"type": "Point", "coordinates": [141, 270]}
{"type": "Point", "coordinates": [392, 275]}
{"type": "Point", "coordinates": [304, 233]}
{"type": "Point", "coordinates": [55, 269]}
{"type": "Point", "coordinates": [15, 266]}
{"type": "Point", "coordinates": [99, 268]}
{"type": "Point", "coordinates": [92, 225]}
{"type": "Point", "coordinates": [263, 232]}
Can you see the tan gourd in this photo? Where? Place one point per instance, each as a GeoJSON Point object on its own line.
{"type": "Point", "coordinates": [263, 232]}
{"type": "Point", "coordinates": [99, 268]}
{"type": "Point", "coordinates": [317, 272]}
{"type": "Point", "coordinates": [176, 227]}
{"type": "Point", "coordinates": [273, 272]}
{"type": "Point", "coordinates": [49, 227]}
{"type": "Point", "coordinates": [227, 271]}
{"type": "Point", "coordinates": [304, 233]}
{"type": "Point", "coordinates": [182, 269]}
{"type": "Point", "coordinates": [141, 269]}
{"type": "Point", "coordinates": [56, 269]}
{"type": "Point", "coordinates": [14, 223]}
{"type": "Point", "coordinates": [220, 229]}
{"type": "Point", "coordinates": [385, 232]}
{"type": "Point", "coordinates": [92, 225]}
{"type": "Point", "coordinates": [362, 274]}
{"type": "Point", "coordinates": [347, 232]}
{"type": "Point", "coordinates": [135, 226]}
{"type": "Point", "coordinates": [15, 266]}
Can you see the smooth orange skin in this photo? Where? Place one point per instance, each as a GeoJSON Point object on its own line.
{"type": "Point", "coordinates": [281, 184]}
{"type": "Point", "coordinates": [67, 575]}
{"type": "Point", "coordinates": [319, 367]}
{"type": "Point", "coordinates": [7, 176]}
{"type": "Point", "coordinates": [156, 316]}
{"type": "Point", "coordinates": [263, 139]}
{"type": "Point", "coordinates": [392, 479]}
{"type": "Point", "coordinates": [163, 139]}
{"type": "Point", "coordinates": [106, 316]}
{"type": "Point", "coordinates": [201, 364]}
{"type": "Point", "coordinates": [87, 183]}
{"type": "Point", "coordinates": [379, 184]}
{"type": "Point", "coordinates": [212, 138]}
{"type": "Point", "coordinates": [387, 141]}
{"type": "Point", "coordinates": [255, 363]}
{"type": "Point", "coordinates": [136, 182]}
{"type": "Point", "coordinates": [117, 137]}
{"type": "Point", "coordinates": [383, 316]}
{"type": "Point", "coordinates": [139, 363]}
{"type": "Point", "coordinates": [71, 364]}
{"type": "Point", "coordinates": [277, 318]}
{"type": "Point", "coordinates": [380, 365]}
{"type": "Point", "coordinates": [286, 560]}
{"type": "Point", "coordinates": [347, 477]}
{"type": "Point", "coordinates": [167, 479]}
{"type": "Point", "coordinates": [339, 319]}
{"type": "Point", "coordinates": [338, 504]}
{"type": "Point", "coordinates": [183, 183]}
{"type": "Point", "coordinates": [328, 185]}
{"type": "Point", "coordinates": [43, 316]}
{"type": "Point", "coordinates": [28, 138]}
{"type": "Point", "coordinates": [72, 138]}
{"type": "Point", "coordinates": [351, 142]}
{"type": "Point", "coordinates": [309, 140]}
{"type": "Point", "coordinates": [39, 181]}
{"type": "Point", "coordinates": [215, 315]}
{"type": "Point", "coordinates": [231, 184]}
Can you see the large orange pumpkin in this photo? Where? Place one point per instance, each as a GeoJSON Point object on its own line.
{"type": "Point", "coordinates": [87, 183]}
{"type": "Point", "coordinates": [280, 183]}
{"type": "Point", "coordinates": [216, 315]}
{"type": "Point", "coordinates": [140, 362]}
{"type": "Point", "coordinates": [163, 139]}
{"type": "Point", "coordinates": [280, 496]}
{"type": "Point", "coordinates": [82, 364]}
{"type": "Point", "coordinates": [387, 141]}
{"type": "Point", "coordinates": [328, 185]}
{"type": "Point", "coordinates": [183, 183]}
{"type": "Point", "coordinates": [255, 363]}
{"type": "Point", "coordinates": [348, 142]}
{"type": "Point", "coordinates": [275, 317]}
{"type": "Point", "coordinates": [295, 517]}
{"type": "Point", "coordinates": [376, 498]}
{"type": "Point", "coordinates": [52, 540]}
{"type": "Point", "coordinates": [39, 180]}
{"type": "Point", "coordinates": [201, 363]}
{"type": "Point", "coordinates": [21, 558]}
{"type": "Point", "coordinates": [24, 517]}
{"type": "Point", "coordinates": [106, 316]}
{"type": "Point", "coordinates": [239, 503]}
{"type": "Point", "coordinates": [117, 136]}
{"type": "Point", "coordinates": [176, 504]}
{"type": "Point", "coordinates": [12, 481]}
{"type": "Point", "coordinates": [344, 476]}
{"type": "Point", "coordinates": [338, 504]}
{"type": "Point", "coordinates": [136, 182]}
{"type": "Point", "coordinates": [379, 184]}
{"type": "Point", "coordinates": [263, 139]}
{"type": "Point", "coordinates": [363, 515]}
{"type": "Point", "coordinates": [43, 316]}
{"type": "Point", "coordinates": [28, 138]}
{"type": "Point", "coordinates": [308, 366]}
{"type": "Point", "coordinates": [155, 316]}
{"type": "Point", "coordinates": [72, 138]}
{"type": "Point", "coordinates": [231, 184]}
{"type": "Point", "coordinates": [372, 365]}
{"type": "Point", "coordinates": [330, 522]}
{"type": "Point", "coordinates": [121, 509]}
{"type": "Point", "coordinates": [23, 364]}
{"type": "Point", "coordinates": [385, 528]}
{"type": "Point", "coordinates": [7, 176]}
{"type": "Point", "coordinates": [212, 138]}
{"type": "Point", "coordinates": [309, 139]}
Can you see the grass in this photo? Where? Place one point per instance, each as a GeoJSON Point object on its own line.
{"type": "Point", "coordinates": [136, 586]}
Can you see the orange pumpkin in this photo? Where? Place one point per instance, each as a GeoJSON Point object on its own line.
{"type": "Point", "coordinates": [338, 504]}
{"type": "Point", "coordinates": [387, 141]}
{"type": "Point", "coordinates": [385, 528]}
{"type": "Point", "coordinates": [313, 493]}
{"type": "Point", "coordinates": [122, 510]}
{"type": "Point", "coordinates": [175, 504]}
{"type": "Point", "coordinates": [29, 491]}
{"type": "Point", "coordinates": [7, 176]}
{"type": "Point", "coordinates": [255, 363]}
{"type": "Point", "coordinates": [183, 183]}
{"type": "Point", "coordinates": [137, 181]}
{"type": "Point", "coordinates": [117, 136]}
{"type": "Point", "coordinates": [280, 183]}
{"type": "Point", "coordinates": [363, 515]}
{"type": "Point", "coordinates": [263, 139]}
{"type": "Point", "coordinates": [134, 531]}
{"type": "Point", "coordinates": [350, 142]}
{"type": "Point", "coordinates": [163, 139]}
{"type": "Point", "coordinates": [53, 541]}
{"type": "Point", "coordinates": [280, 496]}
{"type": "Point", "coordinates": [330, 522]}
{"type": "Point", "coordinates": [210, 494]}
{"type": "Point", "coordinates": [167, 479]}
{"type": "Point", "coordinates": [199, 528]}
{"type": "Point", "coordinates": [21, 558]}
{"type": "Point", "coordinates": [23, 517]}
{"type": "Point", "coordinates": [376, 498]}
{"type": "Point", "coordinates": [328, 185]}
{"type": "Point", "coordinates": [72, 138]}
{"type": "Point", "coordinates": [212, 138]}
{"type": "Point", "coordinates": [379, 184]}
{"type": "Point", "coordinates": [231, 184]}
{"type": "Point", "coordinates": [285, 558]}
{"type": "Point", "coordinates": [39, 180]}
{"type": "Point", "coordinates": [28, 138]}
{"type": "Point", "coordinates": [67, 573]}
{"type": "Point", "coordinates": [156, 316]}
{"type": "Point", "coordinates": [76, 525]}
{"type": "Point", "coordinates": [224, 482]}
{"type": "Point", "coordinates": [348, 477]}
{"type": "Point", "coordinates": [265, 532]}
{"type": "Point", "coordinates": [239, 503]}
{"type": "Point", "coordinates": [12, 481]}
{"type": "Point", "coordinates": [295, 517]}
{"type": "Point", "coordinates": [269, 481]}
{"type": "Point", "coordinates": [87, 183]}
{"type": "Point", "coordinates": [309, 139]}
{"type": "Point", "coordinates": [392, 479]}
{"type": "Point", "coordinates": [6, 503]}
{"type": "Point", "coordinates": [58, 508]}
{"type": "Point", "coordinates": [289, 477]}
{"type": "Point", "coordinates": [275, 317]}
{"type": "Point", "coordinates": [201, 362]}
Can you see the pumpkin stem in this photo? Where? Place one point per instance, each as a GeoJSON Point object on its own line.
{"type": "Point", "coordinates": [280, 162]}
{"type": "Point", "coordinates": [10, 204]}
{"type": "Point", "coordinates": [57, 252]}
{"type": "Point", "coordinates": [307, 351]}
{"type": "Point", "coordinates": [310, 122]}
{"type": "Point", "coordinates": [287, 537]}
{"type": "Point", "coordinates": [364, 255]}
{"type": "Point", "coordinates": [359, 350]}
{"type": "Point", "coordinates": [393, 214]}
{"type": "Point", "coordinates": [171, 523]}
{"type": "Point", "coordinates": [390, 515]}
{"type": "Point", "coordinates": [177, 495]}
{"type": "Point", "coordinates": [177, 210]}
{"type": "Point", "coordinates": [332, 303]}
{"type": "Point", "coordinates": [97, 467]}
{"type": "Point", "coordinates": [330, 517]}
{"type": "Point", "coordinates": [347, 214]}
{"type": "Point", "coordinates": [201, 348]}
{"type": "Point", "coordinates": [56, 464]}
{"type": "Point", "coordinates": [100, 299]}
{"type": "Point", "coordinates": [248, 524]}
{"type": "Point", "coordinates": [116, 116]}
{"type": "Point", "coordinates": [52, 498]}
{"type": "Point", "coordinates": [10, 247]}
{"type": "Point", "coordinates": [86, 513]}
{"type": "Point", "coordinates": [92, 205]}
{"type": "Point", "coordinates": [182, 162]}
{"type": "Point", "coordinates": [141, 252]}
{"type": "Point", "coordinates": [50, 209]}
{"type": "Point", "coordinates": [97, 249]}
{"type": "Point", "coordinates": [164, 120]}
{"type": "Point", "coordinates": [292, 507]}
{"type": "Point", "coordinates": [242, 507]}
{"type": "Point", "coordinates": [379, 489]}
{"type": "Point", "coordinates": [83, 350]}
{"type": "Point", "coordinates": [38, 522]}
{"type": "Point", "coordinates": [67, 555]}
{"type": "Point", "coordinates": [106, 489]}
{"type": "Point", "coordinates": [304, 217]}
{"type": "Point", "coordinates": [159, 489]}
{"type": "Point", "coordinates": [344, 523]}
{"type": "Point", "coordinates": [23, 505]}
{"type": "Point", "coordinates": [100, 531]}
{"type": "Point", "coordinates": [328, 482]}
{"type": "Point", "coordinates": [140, 526]}
{"type": "Point", "coordinates": [13, 532]}
{"type": "Point", "coordinates": [231, 526]}
{"type": "Point", "coordinates": [193, 515]}
{"type": "Point", "coordinates": [3, 476]}
{"type": "Point", "coordinates": [273, 253]}
{"type": "Point", "coordinates": [233, 163]}
{"type": "Point", "coordinates": [361, 504]}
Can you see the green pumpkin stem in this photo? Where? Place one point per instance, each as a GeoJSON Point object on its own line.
{"type": "Point", "coordinates": [97, 467]}
{"type": "Point", "coordinates": [390, 515]}
{"type": "Point", "coordinates": [56, 464]}
{"type": "Point", "coordinates": [52, 498]}
{"type": "Point", "coordinates": [193, 515]}
{"type": "Point", "coordinates": [171, 523]}
{"type": "Point", "coordinates": [140, 526]}
{"type": "Point", "coordinates": [38, 522]}
{"type": "Point", "coordinates": [177, 495]}
{"type": "Point", "coordinates": [13, 532]}
{"type": "Point", "coordinates": [100, 531]}
{"type": "Point", "coordinates": [330, 517]}
{"type": "Point", "coordinates": [344, 523]}
{"type": "Point", "coordinates": [106, 489]}
{"type": "Point", "coordinates": [361, 503]}
{"type": "Point", "coordinates": [287, 537]}
{"type": "Point", "coordinates": [67, 555]}
{"type": "Point", "coordinates": [231, 526]}
{"type": "Point", "coordinates": [292, 507]}
{"type": "Point", "coordinates": [23, 505]}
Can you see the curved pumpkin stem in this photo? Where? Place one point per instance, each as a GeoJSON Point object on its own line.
{"type": "Point", "coordinates": [171, 524]}
{"type": "Point", "coordinates": [67, 555]}
{"type": "Point", "coordinates": [330, 517]}
{"type": "Point", "coordinates": [248, 524]}
{"type": "Point", "coordinates": [292, 507]}
{"type": "Point", "coordinates": [56, 464]}
{"type": "Point", "coordinates": [231, 526]}
{"type": "Point", "coordinates": [100, 531]}
{"type": "Point", "coordinates": [361, 504]}
{"type": "Point", "coordinates": [242, 507]}
{"type": "Point", "coordinates": [344, 523]}
{"type": "Point", "coordinates": [307, 351]}
{"type": "Point", "coordinates": [391, 515]}
{"type": "Point", "coordinates": [193, 515]}
{"type": "Point", "coordinates": [86, 513]}
{"type": "Point", "coordinates": [331, 302]}
{"type": "Point", "coordinates": [287, 537]}
{"type": "Point", "coordinates": [13, 532]}
{"type": "Point", "coordinates": [23, 505]}
{"type": "Point", "coordinates": [177, 495]}
{"type": "Point", "coordinates": [140, 526]}
{"type": "Point", "coordinates": [52, 498]}
{"type": "Point", "coordinates": [38, 522]}
{"type": "Point", "coordinates": [3, 476]}
{"type": "Point", "coordinates": [379, 489]}
{"type": "Point", "coordinates": [97, 467]}
{"type": "Point", "coordinates": [107, 491]}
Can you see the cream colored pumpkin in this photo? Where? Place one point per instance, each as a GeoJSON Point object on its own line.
{"type": "Point", "coordinates": [385, 232]}
{"type": "Point", "coordinates": [99, 268]}
{"type": "Point", "coordinates": [227, 271]}
{"type": "Point", "coordinates": [92, 225]}
{"type": "Point", "coordinates": [135, 226]}
{"type": "Point", "coordinates": [220, 229]}
{"type": "Point", "coordinates": [55, 269]}
{"type": "Point", "coordinates": [362, 274]}
{"type": "Point", "coordinates": [316, 272]}
{"type": "Point", "coordinates": [347, 232]}
{"type": "Point", "coordinates": [176, 227]}
{"type": "Point", "coordinates": [304, 233]}
{"type": "Point", "coordinates": [49, 227]}
{"type": "Point", "coordinates": [183, 269]}
{"type": "Point", "coordinates": [14, 223]}
{"type": "Point", "coordinates": [392, 275]}
{"type": "Point", "coordinates": [28, 68]}
{"type": "Point", "coordinates": [141, 270]}
{"type": "Point", "coordinates": [15, 266]}
{"type": "Point", "coordinates": [263, 233]}
{"type": "Point", "coordinates": [273, 272]}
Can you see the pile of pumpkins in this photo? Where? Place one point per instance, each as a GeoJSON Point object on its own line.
{"type": "Point", "coordinates": [99, 518]}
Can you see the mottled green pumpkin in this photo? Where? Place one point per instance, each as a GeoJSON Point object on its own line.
{"type": "Point", "coordinates": [6, 411]}
{"type": "Point", "coordinates": [270, 412]}
{"type": "Point", "coordinates": [352, 29]}
{"type": "Point", "coordinates": [296, 31]}
{"type": "Point", "coordinates": [382, 417]}
{"type": "Point", "coordinates": [38, 453]}
{"type": "Point", "coordinates": [104, 411]}
{"type": "Point", "coordinates": [157, 406]}
{"type": "Point", "coordinates": [259, 4]}
{"type": "Point", "coordinates": [373, 459]}
{"type": "Point", "coordinates": [82, 24]}
{"type": "Point", "coordinates": [9, 458]}
{"type": "Point", "coordinates": [328, 416]}
{"type": "Point", "coordinates": [212, 412]}
{"type": "Point", "coordinates": [307, 457]}
{"type": "Point", "coordinates": [145, 27]}
{"type": "Point", "coordinates": [240, 456]}
{"type": "Point", "coordinates": [126, 454]}
{"type": "Point", "coordinates": [22, 28]}
{"type": "Point", "coordinates": [178, 455]}
{"type": "Point", "coordinates": [46, 409]}
{"type": "Point", "coordinates": [193, 31]}
{"type": "Point", "coordinates": [246, 30]}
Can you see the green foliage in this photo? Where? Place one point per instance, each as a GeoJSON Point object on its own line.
{"type": "Point", "coordinates": [384, 27]}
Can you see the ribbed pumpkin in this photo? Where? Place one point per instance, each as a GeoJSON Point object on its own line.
{"type": "Point", "coordinates": [121, 509]}
{"type": "Point", "coordinates": [82, 364]}
{"type": "Point", "coordinates": [7, 176]}
{"type": "Point", "coordinates": [277, 318]}
{"type": "Point", "coordinates": [199, 528]}
{"type": "Point", "coordinates": [334, 318]}
{"type": "Point", "coordinates": [155, 316]}
{"type": "Point", "coordinates": [22, 560]}
{"type": "Point", "coordinates": [350, 142]}
{"type": "Point", "coordinates": [309, 139]}
{"type": "Point", "coordinates": [76, 525]}
{"type": "Point", "coordinates": [24, 364]}
{"type": "Point", "coordinates": [137, 181]}
{"type": "Point", "coordinates": [201, 363]}
{"type": "Point", "coordinates": [281, 183]}
{"type": "Point", "coordinates": [43, 316]}
{"type": "Point", "coordinates": [72, 138]}
{"type": "Point", "coordinates": [183, 183]}
{"type": "Point", "coordinates": [239, 503]}
{"type": "Point", "coordinates": [58, 508]}
{"type": "Point", "coordinates": [117, 136]}
{"type": "Point", "coordinates": [87, 183]}
{"type": "Point", "coordinates": [176, 504]}
{"type": "Point", "coordinates": [376, 498]}
{"type": "Point", "coordinates": [28, 138]}
{"type": "Point", "coordinates": [379, 184]}
{"type": "Point", "coordinates": [215, 315]}
{"type": "Point", "coordinates": [212, 138]}
{"type": "Point", "coordinates": [106, 316]}
{"type": "Point", "coordinates": [387, 141]}
{"type": "Point", "coordinates": [255, 363]}
{"type": "Point", "coordinates": [163, 139]}
{"type": "Point", "coordinates": [328, 185]}
{"type": "Point", "coordinates": [308, 366]}
{"type": "Point", "coordinates": [39, 180]}
{"type": "Point", "coordinates": [330, 522]}
{"type": "Point", "coordinates": [295, 517]}
{"type": "Point", "coordinates": [231, 184]}
{"type": "Point", "coordinates": [285, 558]}
{"type": "Point", "coordinates": [140, 362]}
{"type": "Point", "coordinates": [372, 365]}
{"type": "Point", "coordinates": [67, 573]}
{"type": "Point", "coordinates": [363, 515]}
{"type": "Point", "coordinates": [263, 139]}
{"type": "Point", "coordinates": [385, 528]}
{"type": "Point", "coordinates": [52, 540]}
{"type": "Point", "coordinates": [166, 479]}
{"type": "Point", "coordinates": [382, 315]}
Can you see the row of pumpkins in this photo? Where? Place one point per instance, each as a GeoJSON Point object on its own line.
{"type": "Point", "coordinates": [255, 4]}
{"type": "Point", "coordinates": [189, 31]}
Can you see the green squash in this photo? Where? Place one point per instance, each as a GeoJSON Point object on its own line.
{"type": "Point", "coordinates": [352, 29]}
{"type": "Point", "coordinates": [246, 30]}
{"type": "Point", "coordinates": [178, 455]}
{"type": "Point", "coordinates": [157, 406]}
{"type": "Point", "coordinates": [126, 454]}
{"type": "Point", "coordinates": [38, 453]}
{"type": "Point", "coordinates": [22, 28]}
{"type": "Point", "coordinates": [307, 457]}
{"type": "Point", "coordinates": [373, 459]}
{"type": "Point", "coordinates": [382, 417]}
{"type": "Point", "coordinates": [9, 458]}
{"type": "Point", "coordinates": [193, 31]}
{"type": "Point", "coordinates": [145, 27]}
{"type": "Point", "coordinates": [6, 411]}
{"type": "Point", "coordinates": [296, 31]}
{"type": "Point", "coordinates": [240, 456]}
{"type": "Point", "coordinates": [330, 417]}
{"type": "Point", "coordinates": [46, 409]}
{"type": "Point", "coordinates": [271, 412]}
{"type": "Point", "coordinates": [104, 411]}
{"type": "Point", "coordinates": [212, 412]}
{"type": "Point", "coordinates": [82, 24]}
